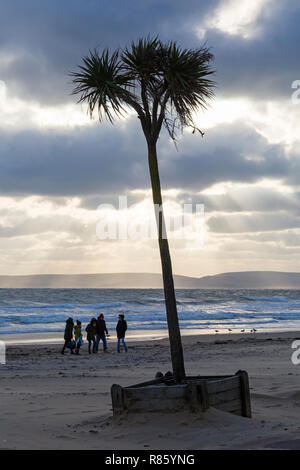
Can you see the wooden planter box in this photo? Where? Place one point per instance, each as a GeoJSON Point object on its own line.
{"type": "Point", "coordinates": [227, 393]}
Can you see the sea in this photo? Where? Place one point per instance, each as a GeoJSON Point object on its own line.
{"type": "Point", "coordinates": [33, 311]}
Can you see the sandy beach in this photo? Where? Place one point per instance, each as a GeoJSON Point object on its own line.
{"type": "Point", "coordinates": [50, 401]}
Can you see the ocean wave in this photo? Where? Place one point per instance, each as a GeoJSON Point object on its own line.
{"type": "Point", "coordinates": [29, 311]}
{"type": "Point", "coordinates": [274, 298]}
{"type": "Point", "coordinates": [37, 306]}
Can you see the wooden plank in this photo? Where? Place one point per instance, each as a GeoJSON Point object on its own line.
{"type": "Point", "coordinates": [155, 392]}
{"type": "Point", "coordinates": [191, 396]}
{"type": "Point", "coordinates": [230, 406]}
{"type": "Point", "coordinates": [117, 398]}
{"type": "Point", "coordinates": [204, 395]}
{"type": "Point", "coordinates": [188, 379]}
{"type": "Point", "coordinates": [222, 385]}
{"type": "Point", "coordinates": [222, 397]}
{"type": "Point", "coordinates": [245, 393]}
{"type": "Point", "coordinates": [156, 404]}
{"type": "Point", "coordinates": [207, 377]}
{"type": "Point", "coordinates": [145, 384]}
{"type": "Point", "coordinates": [227, 393]}
{"type": "Point", "coordinates": [197, 395]}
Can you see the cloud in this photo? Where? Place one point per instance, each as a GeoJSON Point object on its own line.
{"type": "Point", "coordinates": [253, 223]}
{"type": "Point", "coordinates": [103, 159]}
{"type": "Point", "coordinates": [49, 149]}
{"type": "Point", "coordinates": [77, 162]}
{"type": "Point", "coordinates": [42, 41]}
{"type": "Point", "coordinates": [235, 153]}
{"type": "Point", "coordinates": [247, 198]}
{"type": "Point", "coordinates": [242, 22]}
{"type": "Point", "coordinates": [110, 160]}
{"type": "Point", "coordinates": [282, 238]}
{"type": "Point", "coordinates": [263, 67]}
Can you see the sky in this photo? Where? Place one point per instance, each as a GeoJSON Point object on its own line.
{"type": "Point", "coordinates": [58, 167]}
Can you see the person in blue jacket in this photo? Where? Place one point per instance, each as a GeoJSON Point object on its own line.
{"type": "Point", "coordinates": [121, 329]}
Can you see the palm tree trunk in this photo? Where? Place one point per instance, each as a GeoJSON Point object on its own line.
{"type": "Point", "coordinates": [170, 299]}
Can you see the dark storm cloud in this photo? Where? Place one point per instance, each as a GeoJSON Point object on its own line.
{"type": "Point", "coordinates": [45, 40]}
{"type": "Point", "coordinates": [108, 160]}
{"type": "Point", "coordinates": [41, 41]}
{"type": "Point", "coordinates": [264, 66]}
{"type": "Point", "coordinates": [80, 162]}
{"type": "Point", "coordinates": [233, 153]}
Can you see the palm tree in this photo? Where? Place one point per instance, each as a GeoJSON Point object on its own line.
{"type": "Point", "coordinates": [164, 84]}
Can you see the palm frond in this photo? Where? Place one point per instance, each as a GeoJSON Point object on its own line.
{"type": "Point", "coordinates": [164, 83]}
{"type": "Point", "coordinates": [140, 60]}
{"type": "Point", "coordinates": [186, 75]}
{"type": "Point", "coordinates": [103, 83]}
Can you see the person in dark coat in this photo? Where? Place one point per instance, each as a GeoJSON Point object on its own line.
{"type": "Point", "coordinates": [68, 336]}
{"type": "Point", "coordinates": [91, 334]}
{"type": "Point", "coordinates": [100, 332]}
{"type": "Point", "coordinates": [121, 329]}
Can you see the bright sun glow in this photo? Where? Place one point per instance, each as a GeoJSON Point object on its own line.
{"type": "Point", "coordinates": [19, 114]}
{"type": "Point", "coordinates": [220, 189]}
{"type": "Point", "coordinates": [275, 121]}
{"type": "Point", "coordinates": [224, 111]}
{"type": "Point", "coordinates": [15, 112]}
{"type": "Point", "coordinates": [235, 17]}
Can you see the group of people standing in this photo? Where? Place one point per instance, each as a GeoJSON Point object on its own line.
{"type": "Point", "coordinates": [96, 331]}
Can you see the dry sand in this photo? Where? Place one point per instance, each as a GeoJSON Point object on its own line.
{"type": "Point", "coordinates": [50, 401]}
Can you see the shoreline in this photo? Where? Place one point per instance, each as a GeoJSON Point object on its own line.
{"type": "Point", "coordinates": [148, 335]}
